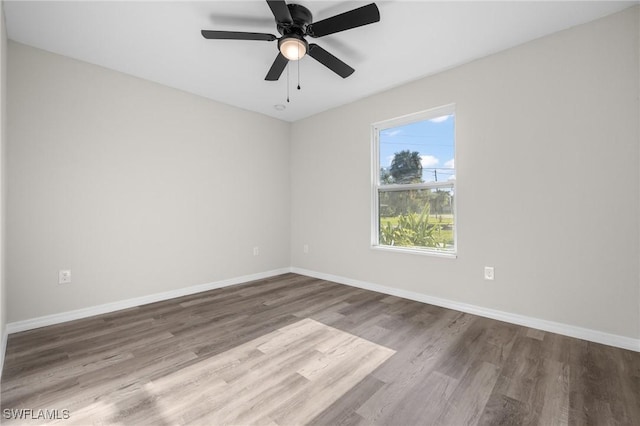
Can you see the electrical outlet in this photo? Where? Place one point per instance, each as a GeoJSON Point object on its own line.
{"type": "Point", "coordinates": [256, 251]}
{"type": "Point", "coordinates": [489, 273]}
{"type": "Point", "coordinates": [64, 276]}
{"type": "Point", "coordinates": [305, 249]}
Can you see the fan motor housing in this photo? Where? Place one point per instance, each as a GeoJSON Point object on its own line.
{"type": "Point", "coordinates": [301, 17]}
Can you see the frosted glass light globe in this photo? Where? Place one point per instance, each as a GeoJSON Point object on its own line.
{"type": "Point", "coordinates": [293, 49]}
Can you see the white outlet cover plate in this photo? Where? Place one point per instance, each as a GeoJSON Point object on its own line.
{"type": "Point", "coordinates": [64, 276]}
{"type": "Point", "coordinates": [488, 273]}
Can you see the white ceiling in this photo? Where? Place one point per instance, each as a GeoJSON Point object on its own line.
{"type": "Point", "coordinates": [161, 42]}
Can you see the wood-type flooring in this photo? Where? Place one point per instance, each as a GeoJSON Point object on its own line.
{"type": "Point", "coordinates": [294, 350]}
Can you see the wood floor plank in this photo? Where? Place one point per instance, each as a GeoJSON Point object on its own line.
{"type": "Point", "coordinates": [502, 410]}
{"type": "Point", "coordinates": [469, 400]}
{"type": "Point", "coordinates": [298, 350]}
{"type": "Point", "coordinates": [426, 399]}
{"type": "Point", "coordinates": [343, 411]}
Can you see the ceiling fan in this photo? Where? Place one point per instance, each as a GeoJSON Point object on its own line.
{"type": "Point", "coordinates": [294, 22]}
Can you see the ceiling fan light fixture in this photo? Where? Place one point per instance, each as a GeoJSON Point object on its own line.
{"type": "Point", "coordinates": [293, 48]}
{"type": "Point", "coordinates": [294, 22]}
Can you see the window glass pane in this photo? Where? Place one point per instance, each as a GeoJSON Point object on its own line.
{"type": "Point", "coordinates": [422, 151]}
{"type": "Point", "coordinates": [416, 150]}
{"type": "Point", "coordinates": [417, 218]}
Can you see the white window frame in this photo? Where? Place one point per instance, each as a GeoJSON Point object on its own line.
{"type": "Point", "coordinates": [378, 127]}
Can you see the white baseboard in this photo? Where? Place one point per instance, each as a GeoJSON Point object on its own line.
{"type": "Point", "coordinates": [540, 324]}
{"type": "Point", "coordinates": [15, 327]}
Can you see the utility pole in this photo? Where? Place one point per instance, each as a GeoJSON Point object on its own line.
{"type": "Point", "coordinates": [435, 174]}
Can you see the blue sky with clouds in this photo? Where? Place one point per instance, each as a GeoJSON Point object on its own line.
{"type": "Point", "coordinates": [433, 139]}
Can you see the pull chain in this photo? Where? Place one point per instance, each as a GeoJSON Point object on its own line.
{"type": "Point", "coordinates": [288, 75]}
{"type": "Point", "coordinates": [299, 67]}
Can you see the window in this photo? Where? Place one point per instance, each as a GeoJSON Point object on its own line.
{"type": "Point", "coordinates": [414, 179]}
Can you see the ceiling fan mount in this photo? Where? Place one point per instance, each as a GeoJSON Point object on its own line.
{"type": "Point", "coordinates": [301, 17]}
{"type": "Point", "coordinates": [295, 22]}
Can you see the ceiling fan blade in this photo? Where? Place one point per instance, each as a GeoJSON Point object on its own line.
{"type": "Point", "coordinates": [276, 69]}
{"type": "Point", "coordinates": [345, 21]}
{"type": "Point", "coordinates": [330, 61]}
{"type": "Point", "coordinates": [236, 35]}
{"type": "Point", "coordinates": [280, 11]}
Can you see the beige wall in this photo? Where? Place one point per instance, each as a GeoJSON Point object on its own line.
{"type": "Point", "coordinates": [135, 187]}
{"type": "Point", "coordinates": [3, 180]}
{"type": "Point", "coordinates": [140, 189]}
{"type": "Point", "coordinates": [547, 189]}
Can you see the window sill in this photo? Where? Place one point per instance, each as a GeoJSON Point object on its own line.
{"type": "Point", "coordinates": [422, 252]}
